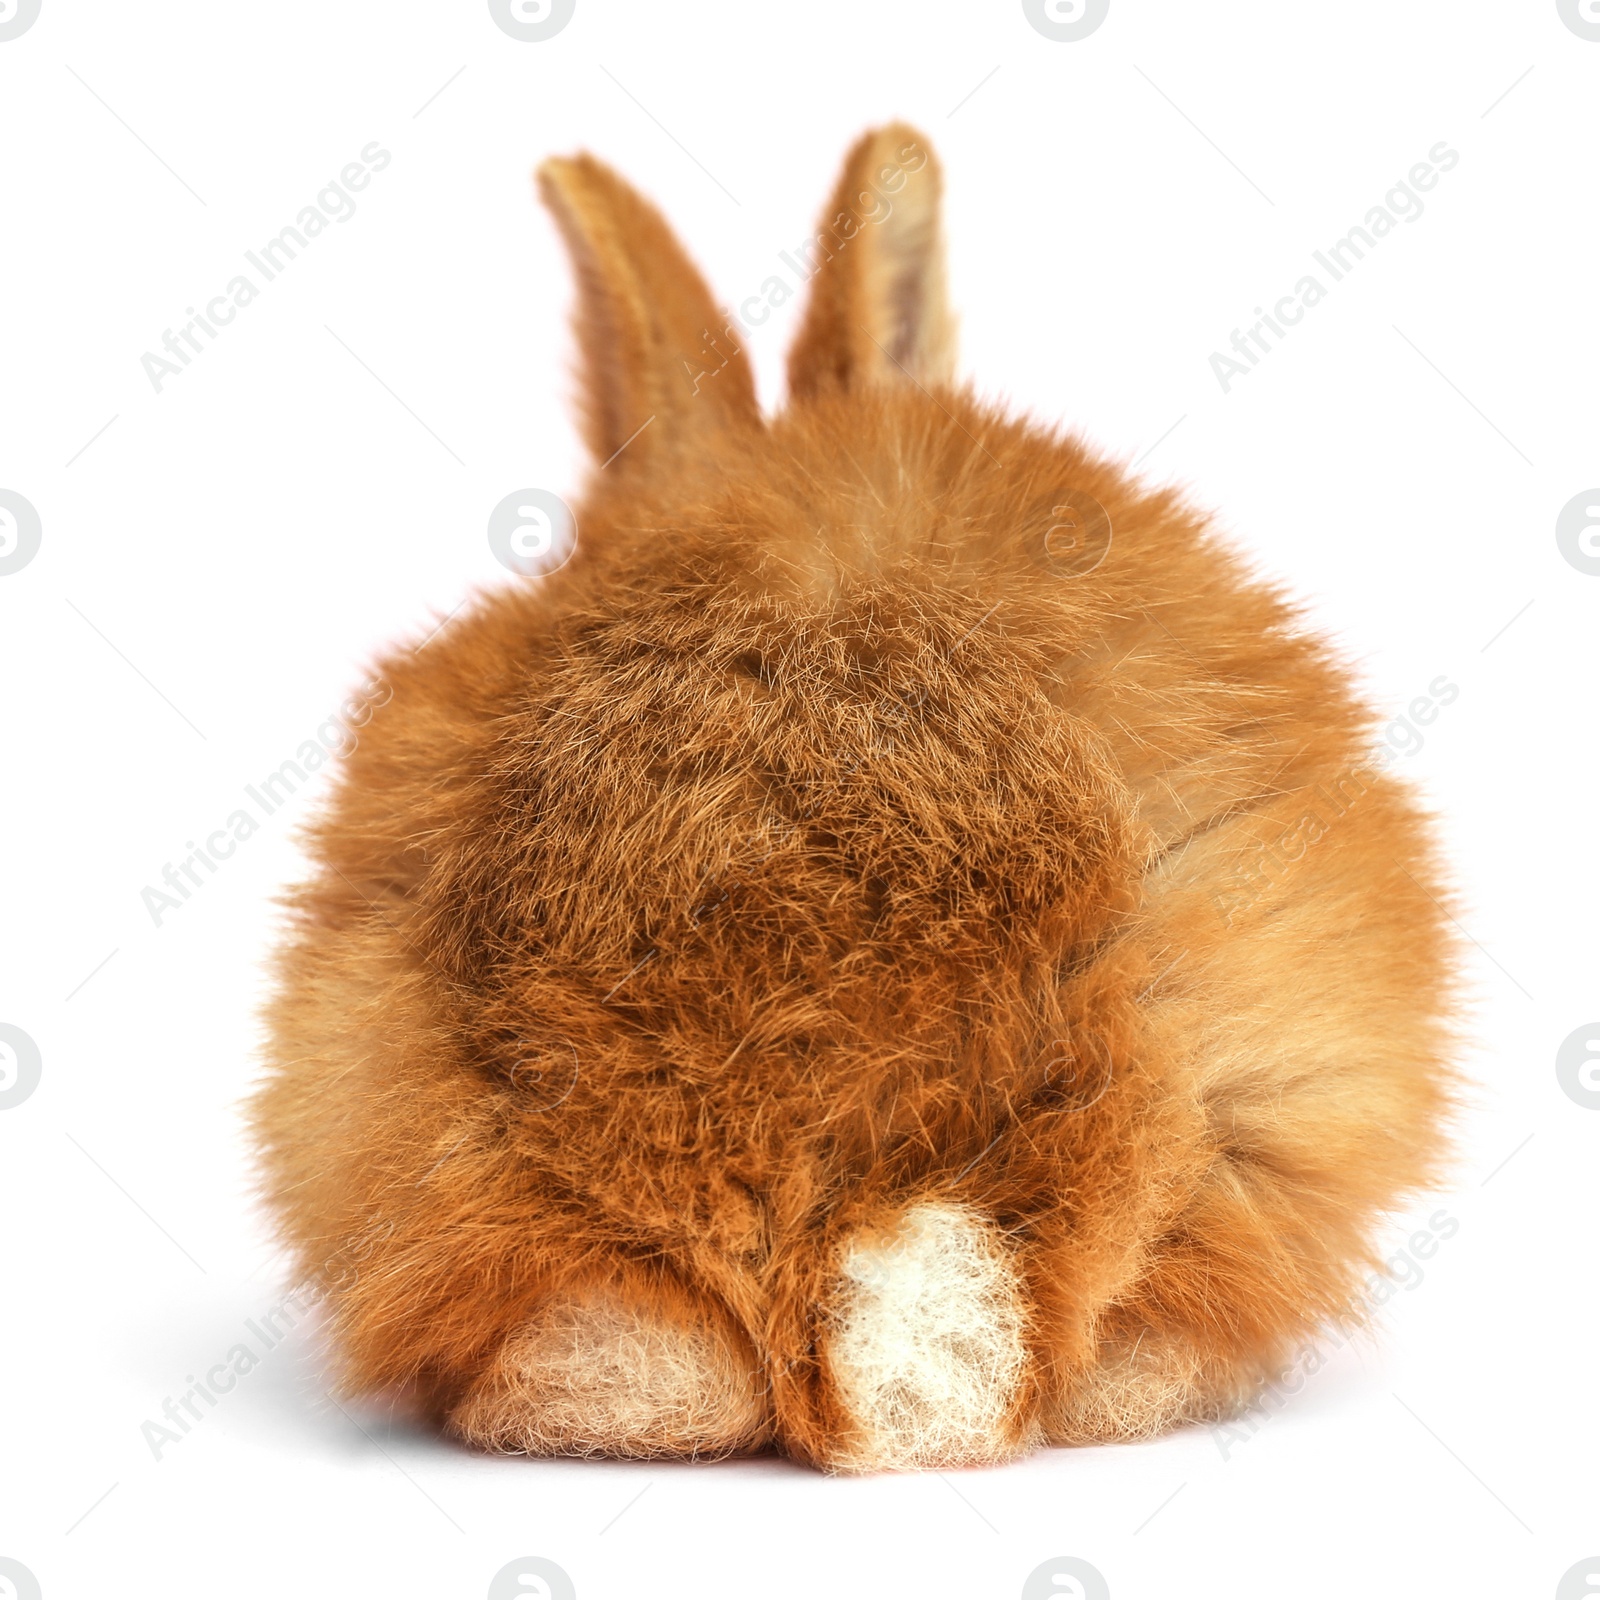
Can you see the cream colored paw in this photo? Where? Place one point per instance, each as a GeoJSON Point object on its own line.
{"type": "Point", "coordinates": [928, 1352]}
{"type": "Point", "coordinates": [1136, 1393]}
{"type": "Point", "coordinates": [1130, 1395]}
{"type": "Point", "coordinates": [607, 1376]}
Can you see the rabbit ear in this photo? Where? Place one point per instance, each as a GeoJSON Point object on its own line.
{"type": "Point", "coordinates": [662, 366]}
{"type": "Point", "coordinates": [878, 312]}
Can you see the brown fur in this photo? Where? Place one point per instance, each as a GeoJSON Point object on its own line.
{"type": "Point", "coordinates": [811, 846]}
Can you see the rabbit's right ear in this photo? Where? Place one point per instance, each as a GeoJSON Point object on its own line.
{"type": "Point", "coordinates": [878, 312]}
{"type": "Point", "coordinates": [663, 368]}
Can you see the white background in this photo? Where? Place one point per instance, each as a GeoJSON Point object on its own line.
{"type": "Point", "coordinates": [220, 561]}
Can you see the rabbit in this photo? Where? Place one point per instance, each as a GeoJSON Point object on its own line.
{"type": "Point", "coordinates": [898, 953]}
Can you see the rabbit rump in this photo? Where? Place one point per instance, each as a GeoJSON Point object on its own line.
{"type": "Point", "coordinates": [897, 953]}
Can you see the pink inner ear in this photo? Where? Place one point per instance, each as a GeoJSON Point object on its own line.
{"type": "Point", "coordinates": [877, 312]}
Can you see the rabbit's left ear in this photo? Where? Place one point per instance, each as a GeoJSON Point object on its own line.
{"type": "Point", "coordinates": [662, 367]}
{"type": "Point", "coordinates": [878, 312]}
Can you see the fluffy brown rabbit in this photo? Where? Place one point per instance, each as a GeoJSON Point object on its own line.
{"type": "Point", "coordinates": [897, 953]}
